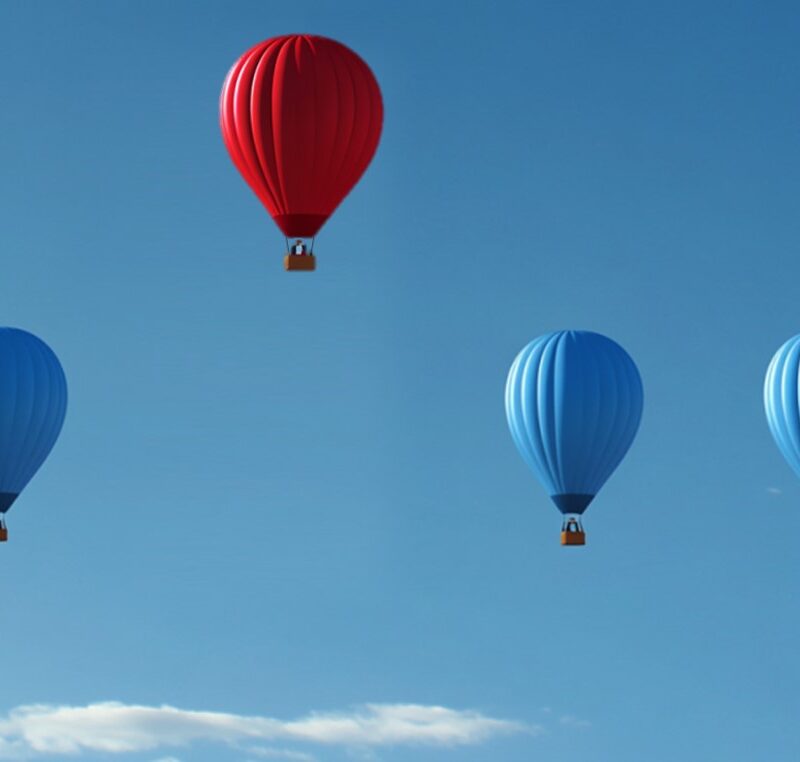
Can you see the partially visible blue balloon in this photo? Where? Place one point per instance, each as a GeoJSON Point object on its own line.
{"type": "Point", "coordinates": [573, 401]}
{"type": "Point", "coordinates": [33, 402]}
{"type": "Point", "coordinates": [781, 391]}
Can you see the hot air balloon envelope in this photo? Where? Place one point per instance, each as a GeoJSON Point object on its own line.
{"type": "Point", "coordinates": [33, 402]}
{"type": "Point", "coordinates": [301, 117]}
{"type": "Point", "coordinates": [573, 402]}
{"type": "Point", "coordinates": [781, 401]}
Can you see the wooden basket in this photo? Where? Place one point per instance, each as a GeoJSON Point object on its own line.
{"type": "Point", "coordinates": [573, 538]}
{"type": "Point", "coordinates": [300, 262]}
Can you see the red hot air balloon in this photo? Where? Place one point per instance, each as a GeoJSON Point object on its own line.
{"type": "Point", "coordinates": [301, 117]}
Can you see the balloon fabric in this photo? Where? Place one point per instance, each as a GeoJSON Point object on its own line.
{"type": "Point", "coordinates": [33, 403]}
{"type": "Point", "coordinates": [782, 401]}
{"type": "Point", "coordinates": [301, 116]}
{"type": "Point", "coordinates": [574, 402]}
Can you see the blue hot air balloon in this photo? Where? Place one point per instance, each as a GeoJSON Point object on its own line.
{"type": "Point", "coordinates": [573, 401]}
{"type": "Point", "coordinates": [781, 402]}
{"type": "Point", "coordinates": [33, 401]}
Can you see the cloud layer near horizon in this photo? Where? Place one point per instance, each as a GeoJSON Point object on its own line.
{"type": "Point", "coordinates": [116, 728]}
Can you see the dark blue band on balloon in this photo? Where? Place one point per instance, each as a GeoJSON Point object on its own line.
{"type": "Point", "coordinates": [572, 503]}
{"type": "Point", "coordinates": [6, 499]}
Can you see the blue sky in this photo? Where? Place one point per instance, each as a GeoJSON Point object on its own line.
{"type": "Point", "coordinates": [291, 503]}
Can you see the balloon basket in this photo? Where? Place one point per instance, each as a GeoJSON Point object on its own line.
{"type": "Point", "coordinates": [573, 538]}
{"type": "Point", "coordinates": [3, 534]}
{"type": "Point", "coordinates": [572, 532]}
{"type": "Point", "coordinates": [300, 262]}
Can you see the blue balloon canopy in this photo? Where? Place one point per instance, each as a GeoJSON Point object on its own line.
{"type": "Point", "coordinates": [33, 402]}
{"type": "Point", "coordinates": [573, 402]}
{"type": "Point", "coordinates": [781, 401]}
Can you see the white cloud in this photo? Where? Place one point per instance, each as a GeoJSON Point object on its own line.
{"type": "Point", "coordinates": [115, 728]}
{"type": "Point", "coordinates": [267, 753]}
{"type": "Point", "coordinates": [774, 491]}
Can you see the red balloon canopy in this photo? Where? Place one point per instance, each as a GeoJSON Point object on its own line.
{"type": "Point", "coordinates": [301, 117]}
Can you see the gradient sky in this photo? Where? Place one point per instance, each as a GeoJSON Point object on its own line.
{"type": "Point", "coordinates": [278, 494]}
